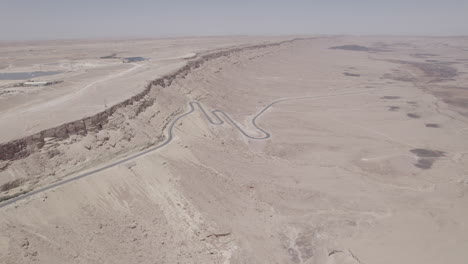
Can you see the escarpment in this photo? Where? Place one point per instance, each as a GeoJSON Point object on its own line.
{"type": "Point", "coordinates": [23, 147]}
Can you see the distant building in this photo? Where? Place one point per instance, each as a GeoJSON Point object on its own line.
{"type": "Point", "coordinates": [37, 83]}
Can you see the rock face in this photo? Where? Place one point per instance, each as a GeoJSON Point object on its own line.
{"type": "Point", "coordinates": [23, 147]}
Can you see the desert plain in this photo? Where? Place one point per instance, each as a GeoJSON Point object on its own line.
{"type": "Point", "coordinates": [307, 149]}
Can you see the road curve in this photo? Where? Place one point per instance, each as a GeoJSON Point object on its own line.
{"type": "Point", "coordinates": [217, 120]}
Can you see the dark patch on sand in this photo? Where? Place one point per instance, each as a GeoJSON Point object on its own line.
{"type": "Point", "coordinates": [455, 96]}
{"type": "Point", "coordinates": [432, 125]}
{"type": "Point", "coordinates": [424, 164]}
{"type": "Point", "coordinates": [351, 74]}
{"type": "Point", "coordinates": [352, 47]}
{"type": "Point", "coordinates": [427, 153]}
{"type": "Point", "coordinates": [459, 102]}
{"type": "Point", "coordinates": [393, 108]}
{"type": "Point", "coordinates": [399, 75]}
{"type": "Point", "coordinates": [112, 56]}
{"type": "Point", "coordinates": [412, 103]}
{"type": "Point", "coordinates": [391, 97]}
{"type": "Point", "coordinates": [423, 55]}
{"type": "Point", "coordinates": [427, 157]}
{"type": "Point", "coordinates": [413, 115]}
{"type": "Point", "coordinates": [437, 71]}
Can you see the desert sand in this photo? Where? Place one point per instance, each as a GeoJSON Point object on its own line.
{"type": "Point", "coordinates": [323, 149]}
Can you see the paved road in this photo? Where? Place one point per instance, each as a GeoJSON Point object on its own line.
{"type": "Point", "coordinates": [217, 120]}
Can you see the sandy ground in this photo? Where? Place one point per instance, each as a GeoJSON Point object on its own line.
{"type": "Point", "coordinates": [367, 163]}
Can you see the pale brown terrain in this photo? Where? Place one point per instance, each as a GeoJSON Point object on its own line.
{"type": "Point", "coordinates": [366, 159]}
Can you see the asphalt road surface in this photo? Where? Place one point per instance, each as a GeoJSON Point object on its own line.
{"type": "Point", "coordinates": [217, 120]}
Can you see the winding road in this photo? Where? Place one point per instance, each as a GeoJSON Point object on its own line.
{"type": "Point", "coordinates": [217, 120]}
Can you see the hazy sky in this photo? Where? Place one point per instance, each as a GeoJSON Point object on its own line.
{"type": "Point", "coordinates": [60, 19]}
